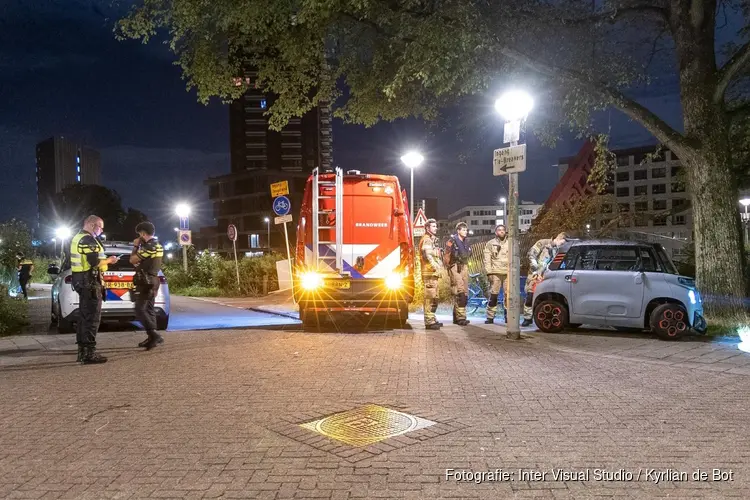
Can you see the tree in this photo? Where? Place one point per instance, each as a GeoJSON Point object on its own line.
{"type": "Point", "coordinates": [411, 58]}
{"type": "Point", "coordinates": [15, 237]}
{"type": "Point", "coordinates": [132, 219]}
{"type": "Point", "coordinates": [74, 203]}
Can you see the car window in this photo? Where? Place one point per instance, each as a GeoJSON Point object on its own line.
{"type": "Point", "coordinates": [617, 259]}
{"type": "Point", "coordinates": [586, 259]}
{"type": "Point", "coordinates": [664, 259]}
{"type": "Point", "coordinates": [649, 261]}
{"type": "Point", "coordinates": [569, 259]}
{"type": "Point", "coordinates": [121, 265]}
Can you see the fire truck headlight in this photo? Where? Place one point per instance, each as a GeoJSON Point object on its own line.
{"type": "Point", "coordinates": [311, 281]}
{"type": "Point", "coordinates": [393, 281]}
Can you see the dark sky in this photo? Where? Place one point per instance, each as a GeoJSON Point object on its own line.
{"type": "Point", "coordinates": [63, 73]}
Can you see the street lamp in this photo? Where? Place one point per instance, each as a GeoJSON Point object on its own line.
{"type": "Point", "coordinates": [514, 106]}
{"type": "Point", "coordinates": [183, 211]}
{"type": "Point", "coordinates": [505, 209]}
{"type": "Point", "coordinates": [268, 230]}
{"type": "Point", "coordinates": [412, 159]}
{"type": "Point", "coordinates": [62, 233]}
{"type": "Point", "coordinates": [745, 217]}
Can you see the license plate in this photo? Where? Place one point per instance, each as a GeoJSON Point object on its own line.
{"type": "Point", "coordinates": [340, 284]}
{"type": "Point", "coordinates": [118, 285]}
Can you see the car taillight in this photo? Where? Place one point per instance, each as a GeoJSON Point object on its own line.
{"type": "Point", "coordinates": [68, 280]}
{"type": "Point", "coordinates": [162, 279]}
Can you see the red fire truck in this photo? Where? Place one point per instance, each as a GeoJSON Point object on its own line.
{"type": "Point", "coordinates": [355, 250]}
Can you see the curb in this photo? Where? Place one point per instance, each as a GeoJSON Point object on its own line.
{"type": "Point", "coordinates": [275, 313]}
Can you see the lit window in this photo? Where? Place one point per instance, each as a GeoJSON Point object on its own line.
{"type": "Point", "coordinates": [79, 178]}
{"type": "Point", "coordinates": [263, 104]}
{"type": "Point", "coordinates": [78, 159]}
{"type": "Point", "coordinates": [254, 241]}
{"type": "Point", "coordinates": [79, 169]}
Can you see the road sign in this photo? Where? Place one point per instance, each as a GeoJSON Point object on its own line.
{"type": "Point", "coordinates": [419, 222]}
{"type": "Point", "coordinates": [509, 160]}
{"type": "Point", "coordinates": [186, 238]}
{"type": "Point", "coordinates": [279, 189]}
{"type": "Point", "coordinates": [282, 205]}
{"type": "Point", "coordinates": [232, 232]}
{"type": "Point", "coordinates": [283, 219]}
{"type": "Point", "coordinates": [184, 223]}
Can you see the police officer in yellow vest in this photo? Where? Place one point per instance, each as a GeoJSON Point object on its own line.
{"type": "Point", "coordinates": [25, 268]}
{"type": "Point", "coordinates": [87, 262]}
{"type": "Point", "coordinates": [147, 257]}
{"type": "Point", "coordinates": [430, 265]}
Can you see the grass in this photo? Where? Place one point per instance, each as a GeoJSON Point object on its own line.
{"type": "Point", "coordinates": [197, 291]}
{"type": "Point", "coordinates": [13, 314]}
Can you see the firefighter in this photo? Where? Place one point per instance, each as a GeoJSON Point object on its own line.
{"type": "Point", "coordinates": [429, 255]}
{"type": "Point", "coordinates": [456, 258]}
{"type": "Point", "coordinates": [496, 266]}
{"type": "Point", "coordinates": [87, 262]}
{"type": "Point", "coordinates": [147, 256]}
{"type": "Point", "coordinates": [540, 255]}
{"type": "Point", "coordinates": [25, 267]}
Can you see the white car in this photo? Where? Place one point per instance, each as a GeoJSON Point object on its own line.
{"type": "Point", "coordinates": [118, 281]}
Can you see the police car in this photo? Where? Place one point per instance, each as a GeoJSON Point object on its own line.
{"type": "Point", "coordinates": [118, 281]}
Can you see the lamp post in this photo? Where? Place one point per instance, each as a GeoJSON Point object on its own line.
{"type": "Point", "coordinates": [183, 211]}
{"type": "Point", "coordinates": [268, 231]}
{"type": "Point", "coordinates": [62, 233]}
{"type": "Point", "coordinates": [745, 217]}
{"type": "Point", "coordinates": [412, 159]}
{"type": "Point", "coordinates": [514, 106]}
{"type": "Point", "coordinates": [505, 210]}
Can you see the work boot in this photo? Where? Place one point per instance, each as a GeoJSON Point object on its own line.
{"type": "Point", "coordinates": [463, 322]}
{"type": "Point", "coordinates": [81, 354]}
{"type": "Point", "coordinates": [145, 342]}
{"type": "Point", "coordinates": [91, 357]}
{"type": "Point", "coordinates": [154, 339]}
{"type": "Point", "coordinates": [433, 326]}
{"type": "Point", "coordinates": [526, 322]}
{"type": "Point", "coordinates": [439, 323]}
{"type": "Point", "coordinates": [489, 321]}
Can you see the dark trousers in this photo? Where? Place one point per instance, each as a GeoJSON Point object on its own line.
{"type": "Point", "coordinates": [90, 312]}
{"type": "Point", "coordinates": [24, 282]}
{"type": "Point", "coordinates": [145, 297]}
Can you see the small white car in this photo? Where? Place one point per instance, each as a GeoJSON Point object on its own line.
{"type": "Point", "coordinates": [118, 280]}
{"type": "Point", "coordinates": [626, 285]}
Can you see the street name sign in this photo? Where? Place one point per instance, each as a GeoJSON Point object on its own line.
{"type": "Point", "coordinates": [509, 160]}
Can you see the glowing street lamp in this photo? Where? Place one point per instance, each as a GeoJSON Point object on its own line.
{"type": "Point", "coordinates": [268, 229]}
{"type": "Point", "coordinates": [514, 106]}
{"type": "Point", "coordinates": [745, 217]}
{"type": "Point", "coordinates": [62, 233]}
{"type": "Point", "coordinates": [412, 159]}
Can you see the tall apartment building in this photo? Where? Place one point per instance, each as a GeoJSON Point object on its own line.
{"type": "Point", "coordinates": [260, 157]}
{"type": "Point", "coordinates": [61, 163]}
{"type": "Point", "coordinates": [482, 219]}
{"type": "Point", "coordinates": [429, 206]}
{"type": "Point", "coordinates": [651, 191]}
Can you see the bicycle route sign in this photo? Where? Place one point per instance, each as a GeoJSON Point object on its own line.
{"type": "Point", "coordinates": [282, 206]}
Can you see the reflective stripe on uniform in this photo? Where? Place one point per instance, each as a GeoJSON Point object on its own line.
{"type": "Point", "coordinates": [78, 261]}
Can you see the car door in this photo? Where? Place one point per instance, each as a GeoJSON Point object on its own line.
{"type": "Point", "coordinates": [608, 283]}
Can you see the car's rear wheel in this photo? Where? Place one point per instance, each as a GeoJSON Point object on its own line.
{"type": "Point", "coordinates": [550, 316]}
{"type": "Point", "coordinates": [162, 322]}
{"type": "Point", "coordinates": [669, 321]}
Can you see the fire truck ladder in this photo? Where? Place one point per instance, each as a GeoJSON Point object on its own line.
{"type": "Point", "coordinates": [337, 212]}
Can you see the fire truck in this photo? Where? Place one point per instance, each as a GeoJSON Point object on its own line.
{"type": "Point", "coordinates": [355, 249]}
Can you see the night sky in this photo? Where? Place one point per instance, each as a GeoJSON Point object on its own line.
{"type": "Point", "coordinates": [63, 73]}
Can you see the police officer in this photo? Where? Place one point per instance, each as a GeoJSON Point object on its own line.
{"type": "Point", "coordinates": [430, 264]}
{"type": "Point", "coordinates": [456, 258]}
{"type": "Point", "coordinates": [146, 257]}
{"type": "Point", "coordinates": [25, 267]}
{"type": "Point", "coordinates": [540, 255]}
{"type": "Point", "coordinates": [88, 262]}
{"type": "Point", "coordinates": [496, 266]}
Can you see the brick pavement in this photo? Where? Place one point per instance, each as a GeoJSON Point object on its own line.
{"type": "Point", "coordinates": [208, 416]}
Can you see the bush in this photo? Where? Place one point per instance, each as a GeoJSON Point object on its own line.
{"type": "Point", "coordinates": [13, 313]}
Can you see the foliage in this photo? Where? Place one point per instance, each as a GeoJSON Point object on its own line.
{"type": "Point", "coordinates": [40, 271]}
{"type": "Point", "coordinates": [132, 219]}
{"type": "Point", "coordinates": [15, 236]}
{"type": "Point", "coordinates": [605, 163]}
{"type": "Point", "coordinates": [573, 217]}
{"type": "Point", "coordinates": [13, 313]}
{"type": "Point", "coordinates": [210, 276]}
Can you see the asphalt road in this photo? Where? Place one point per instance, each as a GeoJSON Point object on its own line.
{"type": "Point", "coordinates": [187, 314]}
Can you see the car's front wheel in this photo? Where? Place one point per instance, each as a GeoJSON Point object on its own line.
{"type": "Point", "coordinates": [669, 321]}
{"type": "Point", "coordinates": [550, 316]}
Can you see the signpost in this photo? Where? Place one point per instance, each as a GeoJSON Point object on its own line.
{"type": "Point", "coordinates": [186, 239]}
{"type": "Point", "coordinates": [419, 223]}
{"type": "Point", "coordinates": [281, 207]}
{"type": "Point", "coordinates": [510, 160]}
{"type": "Point", "coordinates": [232, 235]}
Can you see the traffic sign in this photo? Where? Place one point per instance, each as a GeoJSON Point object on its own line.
{"type": "Point", "coordinates": [184, 223]}
{"type": "Point", "coordinates": [283, 219]}
{"type": "Point", "coordinates": [186, 238]}
{"type": "Point", "coordinates": [282, 205]}
{"type": "Point", "coordinates": [509, 160]}
{"type": "Point", "coordinates": [232, 232]}
{"type": "Point", "coordinates": [421, 219]}
{"type": "Point", "coordinates": [279, 189]}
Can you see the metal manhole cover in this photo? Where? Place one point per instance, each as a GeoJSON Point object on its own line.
{"type": "Point", "coordinates": [367, 425]}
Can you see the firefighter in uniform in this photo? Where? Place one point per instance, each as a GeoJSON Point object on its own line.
{"type": "Point", "coordinates": [25, 267]}
{"type": "Point", "coordinates": [496, 266]}
{"type": "Point", "coordinates": [147, 256]}
{"type": "Point", "coordinates": [87, 262]}
{"type": "Point", "coordinates": [456, 258]}
{"type": "Point", "coordinates": [430, 263]}
{"type": "Point", "coordinates": [540, 255]}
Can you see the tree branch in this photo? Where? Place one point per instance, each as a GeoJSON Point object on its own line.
{"type": "Point", "coordinates": [730, 70]}
{"type": "Point", "coordinates": [613, 15]}
{"type": "Point", "coordinates": [658, 127]}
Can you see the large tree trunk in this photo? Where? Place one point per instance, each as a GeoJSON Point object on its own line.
{"type": "Point", "coordinates": [718, 253]}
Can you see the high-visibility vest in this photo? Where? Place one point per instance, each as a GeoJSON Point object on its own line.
{"type": "Point", "coordinates": [79, 262]}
